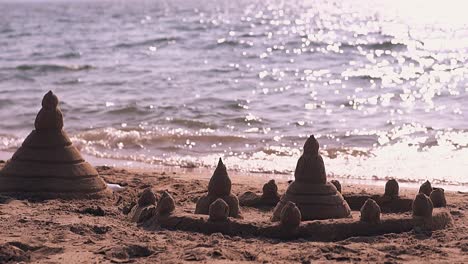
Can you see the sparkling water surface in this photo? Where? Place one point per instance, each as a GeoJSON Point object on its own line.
{"type": "Point", "coordinates": [382, 84]}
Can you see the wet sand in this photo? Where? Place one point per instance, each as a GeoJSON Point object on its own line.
{"type": "Point", "coordinates": [98, 231]}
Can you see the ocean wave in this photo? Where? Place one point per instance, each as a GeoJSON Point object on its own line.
{"type": "Point", "coordinates": [191, 123]}
{"type": "Point", "coordinates": [8, 142]}
{"type": "Point", "coordinates": [128, 110]}
{"type": "Point", "coordinates": [53, 67]}
{"type": "Point", "coordinates": [111, 138]}
{"type": "Point", "coordinates": [147, 42]}
{"type": "Point", "coordinates": [383, 45]}
{"type": "Point", "coordinates": [69, 55]}
{"type": "Point", "coordinates": [442, 161]}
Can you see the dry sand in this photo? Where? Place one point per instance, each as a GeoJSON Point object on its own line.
{"type": "Point", "coordinates": [97, 231]}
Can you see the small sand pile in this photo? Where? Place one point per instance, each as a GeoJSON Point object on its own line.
{"type": "Point", "coordinates": [426, 188]}
{"type": "Point", "coordinates": [370, 212]}
{"type": "Point", "coordinates": [337, 185]}
{"type": "Point", "coordinates": [145, 207]}
{"type": "Point", "coordinates": [47, 165]}
{"type": "Point", "coordinates": [392, 189]}
{"type": "Point", "coordinates": [219, 187]}
{"type": "Point", "coordinates": [290, 216]}
{"type": "Point", "coordinates": [218, 211]}
{"type": "Point", "coordinates": [315, 198]}
{"type": "Point", "coordinates": [270, 193]}
{"type": "Point", "coordinates": [422, 211]}
{"type": "Point", "coordinates": [166, 204]}
{"type": "Point", "coordinates": [438, 197]}
{"type": "Point", "coordinates": [269, 197]}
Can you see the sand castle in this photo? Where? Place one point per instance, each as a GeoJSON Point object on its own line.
{"type": "Point", "coordinates": [47, 165]}
{"type": "Point", "coordinates": [309, 195]}
{"type": "Point", "coordinates": [315, 198]}
{"type": "Point", "coordinates": [219, 187]}
{"type": "Point", "coordinates": [269, 196]}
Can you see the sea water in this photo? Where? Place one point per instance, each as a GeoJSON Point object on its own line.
{"type": "Point", "coordinates": [382, 84]}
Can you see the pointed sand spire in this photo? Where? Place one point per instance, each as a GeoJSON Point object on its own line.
{"type": "Point", "coordinates": [219, 187]}
{"type": "Point", "coordinates": [220, 184]}
{"type": "Point", "coordinates": [47, 165]}
{"type": "Point", "coordinates": [315, 198]}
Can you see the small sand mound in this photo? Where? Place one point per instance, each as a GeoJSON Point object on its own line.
{"type": "Point", "coordinates": [370, 212]}
{"type": "Point", "coordinates": [392, 189]}
{"type": "Point", "coordinates": [12, 254]}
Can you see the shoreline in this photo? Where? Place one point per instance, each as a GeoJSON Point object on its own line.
{"type": "Point", "coordinates": [205, 173]}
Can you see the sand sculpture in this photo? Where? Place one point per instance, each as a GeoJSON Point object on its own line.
{"type": "Point", "coordinates": [145, 207]}
{"type": "Point", "coordinates": [426, 188]}
{"type": "Point", "coordinates": [315, 198]}
{"type": "Point", "coordinates": [219, 187]}
{"type": "Point", "coordinates": [370, 212]}
{"type": "Point", "coordinates": [290, 226]}
{"type": "Point", "coordinates": [337, 185]}
{"type": "Point", "coordinates": [269, 197]}
{"type": "Point", "coordinates": [166, 204]}
{"type": "Point", "coordinates": [309, 194]}
{"type": "Point", "coordinates": [47, 165]}
{"type": "Point", "coordinates": [290, 216]}
{"type": "Point", "coordinates": [438, 197]}
{"type": "Point", "coordinates": [218, 211]}
{"type": "Point", "coordinates": [392, 189]}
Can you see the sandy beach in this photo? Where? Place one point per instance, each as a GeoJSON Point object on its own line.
{"type": "Point", "coordinates": [98, 231]}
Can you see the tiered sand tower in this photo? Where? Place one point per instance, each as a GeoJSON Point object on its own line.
{"type": "Point", "coordinates": [312, 194]}
{"type": "Point", "coordinates": [47, 165]}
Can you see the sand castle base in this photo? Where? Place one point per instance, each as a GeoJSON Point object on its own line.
{"type": "Point", "coordinates": [318, 230]}
{"type": "Point", "coordinates": [387, 204]}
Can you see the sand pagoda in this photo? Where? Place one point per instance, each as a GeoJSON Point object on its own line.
{"type": "Point", "coordinates": [313, 195]}
{"type": "Point", "coordinates": [47, 165]}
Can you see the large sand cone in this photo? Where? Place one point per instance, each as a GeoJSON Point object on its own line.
{"type": "Point", "coordinates": [47, 165]}
{"type": "Point", "coordinates": [312, 194]}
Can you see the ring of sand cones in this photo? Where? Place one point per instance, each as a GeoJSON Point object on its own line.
{"type": "Point", "coordinates": [48, 168]}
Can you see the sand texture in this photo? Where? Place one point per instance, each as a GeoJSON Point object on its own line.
{"type": "Point", "coordinates": [99, 231]}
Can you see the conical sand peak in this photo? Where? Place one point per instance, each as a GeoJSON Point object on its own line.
{"type": "Point", "coordinates": [50, 101]}
{"type": "Point", "coordinates": [310, 167]}
{"type": "Point", "coordinates": [219, 187]}
{"type": "Point", "coordinates": [311, 146]}
{"type": "Point", "coordinates": [47, 165]}
{"type": "Point", "coordinates": [220, 184]}
{"type": "Point", "coordinates": [49, 117]}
